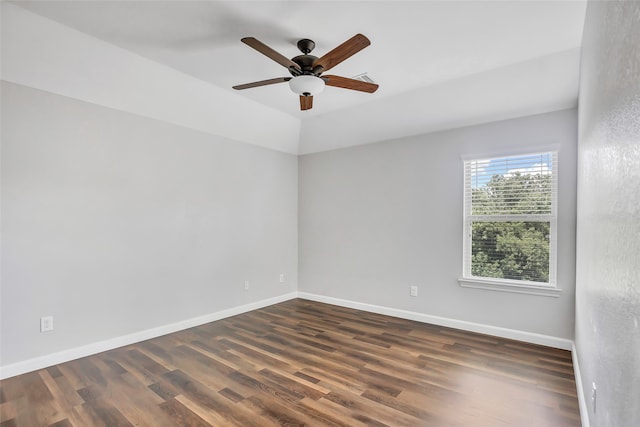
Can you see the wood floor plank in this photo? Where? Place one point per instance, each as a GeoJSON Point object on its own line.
{"type": "Point", "coordinates": [362, 405]}
{"type": "Point", "coordinates": [103, 413]}
{"type": "Point", "coordinates": [8, 411]}
{"type": "Point", "coordinates": [181, 415]}
{"type": "Point", "coordinates": [207, 398]}
{"type": "Point", "coordinates": [207, 415]}
{"type": "Point", "coordinates": [62, 423]}
{"type": "Point", "coordinates": [303, 363]}
{"type": "Point", "coordinates": [352, 419]}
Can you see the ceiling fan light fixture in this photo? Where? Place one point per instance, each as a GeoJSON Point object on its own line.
{"type": "Point", "coordinates": [306, 69]}
{"type": "Point", "coordinates": [306, 85]}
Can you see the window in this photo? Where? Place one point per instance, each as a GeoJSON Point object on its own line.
{"type": "Point", "coordinates": [510, 221]}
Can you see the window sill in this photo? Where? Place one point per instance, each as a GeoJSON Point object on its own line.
{"type": "Point", "coordinates": [509, 286]}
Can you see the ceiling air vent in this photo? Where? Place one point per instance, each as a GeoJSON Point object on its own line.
{"type": "Point", "coordinates": [364, 77]}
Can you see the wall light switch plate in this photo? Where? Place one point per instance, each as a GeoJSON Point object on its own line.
{"type": "Point", "coordinates": [46, 324]}
{"type": "Point", "coordinates": [413, 291]}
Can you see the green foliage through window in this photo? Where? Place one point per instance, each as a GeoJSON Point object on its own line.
{"type": "Point", "coordinates": [510, 250]}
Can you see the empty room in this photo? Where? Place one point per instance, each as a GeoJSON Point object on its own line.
{"type": "Point", "coordinates": [320, 213]}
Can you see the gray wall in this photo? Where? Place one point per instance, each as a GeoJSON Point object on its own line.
{"type": "Point", "coordinates": [608, 256]}
{"type": "Point", "coordinates": [375, 219]}
{"type": "Point", "coordinates": [114, 223]}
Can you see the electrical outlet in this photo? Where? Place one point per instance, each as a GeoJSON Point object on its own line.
{"type": "Point", "coordinates": [46, 324]}
{"type": "Point", "coordinates": [593, 397]}
{"type": "Point", "coordinates": [413, 291]}
{"type": "Point", "coordinates": [246, 285]}
{"type": "Point", "coordinates": [281, 277]}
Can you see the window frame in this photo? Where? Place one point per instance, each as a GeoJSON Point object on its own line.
{"type": "Point", "coordinates": [511, 285]}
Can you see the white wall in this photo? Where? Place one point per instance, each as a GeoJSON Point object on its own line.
{"type": "Point", "coordinates": [377, 218]}
{"type": "Point", "coordinates": [115, 223]}
{"type": "Point", "coordinates": [608, 256]}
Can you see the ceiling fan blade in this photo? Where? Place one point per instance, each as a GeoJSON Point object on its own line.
{"type": "Point", "coordinates": [262, 83]}
{"type": "Point", "coordinates": [352, 84]}
{"type": "Point", "coordinates": [306, 102]}
{"type": "Point", "coordinates": [349, 48]}
{"type": "Point", "coordinates": [270, 53]}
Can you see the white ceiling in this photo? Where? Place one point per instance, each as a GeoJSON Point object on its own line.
{"type": "Point", "coordinates": [414, 44]}
{"type": "Point", "coordinates": [439, 64]}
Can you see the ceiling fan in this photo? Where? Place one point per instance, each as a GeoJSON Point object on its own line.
{"type": "Point", "coordinates": [306, 70]}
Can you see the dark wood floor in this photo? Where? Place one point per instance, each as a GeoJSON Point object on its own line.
{"type": "Point", "coordinates": [303, 363]}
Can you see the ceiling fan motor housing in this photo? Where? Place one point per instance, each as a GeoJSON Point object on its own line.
{"type": "Point", "coordinates": [305, 62]}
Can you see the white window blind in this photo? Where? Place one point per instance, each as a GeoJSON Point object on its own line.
{"type": "Point", "coordinates": [510, 218]}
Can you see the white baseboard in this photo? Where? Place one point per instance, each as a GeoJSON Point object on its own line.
{"type": "Point", "coordinates": [98, 347]}
{"type": "Point", "coordinates": [513, 334]}
{"type": "Point", "coordinates": [582, 400]}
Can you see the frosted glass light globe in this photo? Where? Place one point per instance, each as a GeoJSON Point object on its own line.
{"type": "Point", "coordinates": [306, 85]}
